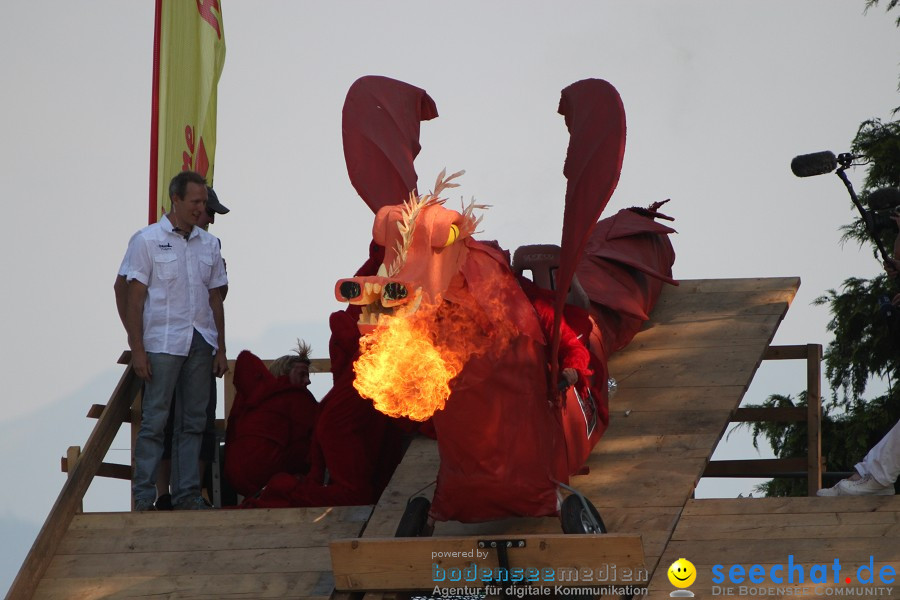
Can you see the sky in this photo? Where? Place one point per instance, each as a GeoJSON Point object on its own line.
{"type": "Point", "coordinates": [718, 96]}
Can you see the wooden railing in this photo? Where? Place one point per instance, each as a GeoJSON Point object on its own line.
{"type": "Point", "coordinates": [83, 465]}
{"type": "Point", "coordinates": [810, 466]}
{"type": "Point", "coordinates": [68, 503]}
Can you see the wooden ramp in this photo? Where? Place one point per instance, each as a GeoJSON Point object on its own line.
{"type": "Point", "coordinates": [679, 384]}
{"type": "Point", "coordinates": [268, 553]}
{"type": "Point", "coordinates": [773, 532]}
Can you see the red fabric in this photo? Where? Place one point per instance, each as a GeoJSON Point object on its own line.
{"type": "Point", "coordinates": [500, 441]}
{"type": "Point", "coordinates": [380, 124]}
{"type": "Point", "coordinates": [595, 118]}
{"type": "Point", "coordinates": [573, 353]}
{"type": "Point", "coordinates": [584, 416]}
{"type": "Point", "coordinates": [627, 259]}
{"type": "Point", "coordinates": [503, 446]}
{"type": "Point", "coordinates": [269, 426]}
{"type": "Point", "coordinates": [357, 446]}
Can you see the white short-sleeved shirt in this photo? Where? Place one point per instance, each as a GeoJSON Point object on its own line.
{"type": "Point", "coordinates": [178, 274]}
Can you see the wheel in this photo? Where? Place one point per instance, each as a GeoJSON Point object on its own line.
{"type": "Point", "coordinates": [414, 518]}
{"type": "Point", "coordinates": [575, 519]}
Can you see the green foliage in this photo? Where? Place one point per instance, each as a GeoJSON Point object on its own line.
{"type": "Point", "coordinates": [880, 143]}
{"type": "Point", "coordinates": [846, 437]}
{"type": "Point", "coordinates": [865, 340]}
{"type": "Point", "coordinates": [866, 343]}
{"type": "Point", "coordinates": [890, 5]}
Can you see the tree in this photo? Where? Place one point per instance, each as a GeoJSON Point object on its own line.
{"type": "Point", "coordinates": [890, 5]}
{"type": "Point", "coordinates": [866, 343]}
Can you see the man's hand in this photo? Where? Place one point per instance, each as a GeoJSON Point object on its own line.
{"type": "Point", "coordinates": [220, 364]}
{"type": "Point", "coordinates": [141, 364]}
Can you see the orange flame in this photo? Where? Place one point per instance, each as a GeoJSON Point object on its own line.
{"type": "Point", "coordinates": [407, 363]}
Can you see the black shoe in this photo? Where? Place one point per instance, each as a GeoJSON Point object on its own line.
{"type": "Point", "coordinates": [164, 502]}
{"type": "Point", "coordinates": [143, 506]}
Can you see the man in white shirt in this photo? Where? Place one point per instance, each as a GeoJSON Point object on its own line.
{"type": "Point", "coordinates": [176, 330]}
{"type": "Point", "coordinates": [207, 447]}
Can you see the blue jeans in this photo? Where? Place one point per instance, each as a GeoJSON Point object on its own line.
{"type": "Point", "coordinates": [188, 377]}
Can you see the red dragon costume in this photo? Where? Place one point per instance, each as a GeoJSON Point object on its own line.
{"type": "Point", "coordinates": [452, 336]}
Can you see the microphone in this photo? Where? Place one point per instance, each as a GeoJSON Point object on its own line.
{"type": "Point", "coordinates": [817, 163]}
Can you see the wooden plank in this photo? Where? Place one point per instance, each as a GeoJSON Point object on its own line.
{"type": "Point", "coordinates": [189, 587]}
{"type": "Point", "coordinates": [416, 563]}
{"type": "Point", "coordinates": [168, 564]}
{"type": "Point", "coordinates": [691, 287]}
{"type": "Point", "coordinates": [38, 559]}
{"type": "Point", "coordinates": [617, 444]}
{"type": "Point", "coordinates": [684, 308]}
{"type": "Point", "coordinates": [764, 506]}
{"type": "Point", "coordinates": [677, 398]}
{"type": "Point", "coordinates": [414, 475]}
{"type": "Point", "coordinates": [794, 352]}
{"type": "Point", "coordinates": [235, 519]}
{"type": "Point", "coordinates": [675, 367]}
{"type": "Point", "coordinates": [111, 470]}
{"type": "Point", "coordinates": [710, 552]}
{"type": "Point", "coordinates": [814, 463]}
{"type": "Point", "coordinates": [789, 526]}
{"type": "Point", "coordinates": [758, 467]}
{"type": "Point", "coordinates": [96, 410]}
{"type": "Point", "coordinates": [640, 482]}
{"type": "Point", "coordinates": [706, 332]}
{"type": "Point", "coordinates": [673, 422]}
{"type": "Point", "coordinates": [185, 539]}
{"type": "Point", "coordinates": [654, 525]}
{"type": "Point", "coordinates": [72, 456]}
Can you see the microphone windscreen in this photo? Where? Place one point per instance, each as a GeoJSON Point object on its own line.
{"type": "Point", "coordinates": [817, 163]}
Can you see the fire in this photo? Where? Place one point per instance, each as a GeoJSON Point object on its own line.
{"type": "Point", "coordinates": [402, 370]}
{"type": "Point", "coordinates": [406, 364]}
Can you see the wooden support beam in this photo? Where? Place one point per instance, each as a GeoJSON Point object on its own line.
{"type": "Point", "coordinates": [96, 410]}
{"type": "Point", "coordinates": [396, 564]}
{"type": "Point", "coordinates": [764, 467]}
{"type": "Point", "coordinates": [111, 470]}
{"type": "Point", "coordinates": [73, 490]}
{"type": "Point", "coordinates": [71, 456]}
{"type": "Point", "coordinates": [793, 352]}
{"type": "Point", "coordinates": [814, 419]}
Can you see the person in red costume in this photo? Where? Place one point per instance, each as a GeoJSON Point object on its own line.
{"type": "Point", "coordinates": [271, 422]}
{"type": "Point", "coordinates": [355, 448]}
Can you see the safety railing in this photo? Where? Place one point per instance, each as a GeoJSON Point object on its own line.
{"type": "Point", "coordinates": [811, 466]}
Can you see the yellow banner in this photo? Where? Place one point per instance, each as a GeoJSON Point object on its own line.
{"type": "Point", "coordinates": [191, 55]}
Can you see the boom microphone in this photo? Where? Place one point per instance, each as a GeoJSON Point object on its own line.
{"type": "Point", "coordinates": [817, 163]}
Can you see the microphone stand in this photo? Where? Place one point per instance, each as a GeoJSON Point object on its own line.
{"type": "Point", "coordinates": [845, 160]}
{"type": "Point", "coordinates": [884, 302]}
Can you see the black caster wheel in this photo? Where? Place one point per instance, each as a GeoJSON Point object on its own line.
{"type": "Point", "coordinates": [576, 519]}
{"type": "Point", "coordinates": [414, 522]}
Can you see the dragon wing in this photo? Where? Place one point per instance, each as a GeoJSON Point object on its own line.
{"type": "Point", "coordinates": [380, 127]}
{"type": "Point", "coordinates": [595, 117]}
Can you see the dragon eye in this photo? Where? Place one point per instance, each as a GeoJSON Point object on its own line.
{"type": "Point", "coordinates": [453, 235]}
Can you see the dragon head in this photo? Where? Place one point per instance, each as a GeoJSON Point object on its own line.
{"type": "Point", "coordinates": [424, 250]}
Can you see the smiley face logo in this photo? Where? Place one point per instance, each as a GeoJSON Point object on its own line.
{"type": "Point", "coordinates": [682, 573]}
